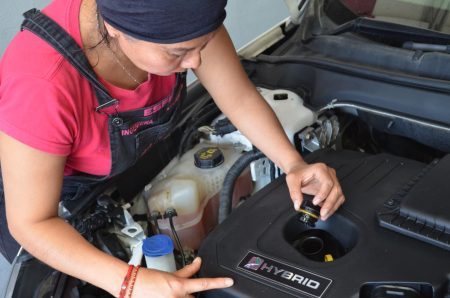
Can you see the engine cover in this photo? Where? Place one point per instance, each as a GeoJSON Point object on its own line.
{"type": "Point", "coordinates": [269, 253]}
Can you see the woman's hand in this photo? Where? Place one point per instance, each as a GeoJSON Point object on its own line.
{"type": "Point", "coordinates": [318, 180]}
{"type": "Point", "coordinates": [155, 284]}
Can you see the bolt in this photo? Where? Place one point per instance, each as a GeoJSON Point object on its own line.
{"type": "Point", "coordinates": [390, 202]}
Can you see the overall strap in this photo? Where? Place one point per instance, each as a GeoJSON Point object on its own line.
{"type": "Point", "coordinates": [47, 29]}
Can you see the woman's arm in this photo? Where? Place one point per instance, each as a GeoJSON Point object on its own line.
{"type": "Point", "coordinates": [224, 78]}
{"type": "Point", "coordinates": [32, 182]}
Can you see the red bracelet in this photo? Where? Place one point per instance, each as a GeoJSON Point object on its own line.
{"type": "Point", "coordinates": [126, 280]}
{"type": "Point", "coordinates": [133, 280]}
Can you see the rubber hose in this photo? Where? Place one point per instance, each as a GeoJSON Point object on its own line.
{"type": "Point", "coordinates": [186, 139]}
{"type": "Point", "coordinates": [226, 194]}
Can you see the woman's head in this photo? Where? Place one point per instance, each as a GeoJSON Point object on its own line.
{"type": "Point", "coordinates": [162, 36]}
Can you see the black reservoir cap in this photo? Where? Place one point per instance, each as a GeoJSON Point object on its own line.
{"type": "Point", "coordinates": [208, 158]}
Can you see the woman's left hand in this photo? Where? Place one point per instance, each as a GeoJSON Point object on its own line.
{"type": "Point", "coordinates": [318, 180]}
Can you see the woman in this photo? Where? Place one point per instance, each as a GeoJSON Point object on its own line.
{"type": "Point", "coordinates": [73, 118]}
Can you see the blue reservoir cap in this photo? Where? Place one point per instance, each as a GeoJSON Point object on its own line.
{"type": "Point", "coordinates": [158, 245]}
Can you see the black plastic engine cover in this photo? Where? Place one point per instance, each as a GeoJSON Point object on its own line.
{"type": "Point", "coordinates": [269, 253]}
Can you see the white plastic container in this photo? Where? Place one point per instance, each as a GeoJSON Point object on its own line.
{"type": "Point", "coordinates": [158, 252]}
{"type": "Point", "coordinates": [290, 111]}
{"type": "Point", "coordinates": [194, 192]}
{"type": "Point", "coordinates": [293, 116]}
{"type": "Point", "coordinates": [289, 108]}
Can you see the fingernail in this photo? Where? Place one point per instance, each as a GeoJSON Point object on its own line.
{"type": "Point", "coordinates": [229, 282]}
{"type": "Point", "coordinates": [196, 260]}
{"type": "Point", "coordinates": [324, 213]}
{"type": "Point", "coordinates": [316, 201]}
{"type": "Point", "coordinates": [296, 205]}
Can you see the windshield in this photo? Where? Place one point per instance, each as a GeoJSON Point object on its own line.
{"type": "Point", "coordinates": [427, 14]}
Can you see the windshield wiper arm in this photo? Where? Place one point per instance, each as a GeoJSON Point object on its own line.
{"type": "Point", "coordinates": [426, 47]}
{"type": "Point", "coordinates": [387, 30]}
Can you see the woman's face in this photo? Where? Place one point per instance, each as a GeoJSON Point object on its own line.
{"type": "Point", "coordinates": [162, 59]}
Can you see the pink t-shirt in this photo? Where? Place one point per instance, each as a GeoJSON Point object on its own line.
{"type": "Point", "coordinates": [46, 104]}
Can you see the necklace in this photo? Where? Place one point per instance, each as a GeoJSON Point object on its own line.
{"type": "Point", "coordinates": [114, 54]}
{"type": "Point", "coordinates": [123, 66]}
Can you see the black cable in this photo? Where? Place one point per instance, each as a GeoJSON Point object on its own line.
{"type": "Point", "coordinates": [154, 216]}
{"type": "Point", "coordinates": [223, 127]}
{"type": "Point", "coordinates": [177, 240]}
{"type": "Point", "coordinates": [170, 213]}
{"type": "Point", "coordinates": [192, 128]}
{"type": "Point", "coordinates": [272, 170]}
{"type": "Point", "coordinates": [158, 231]}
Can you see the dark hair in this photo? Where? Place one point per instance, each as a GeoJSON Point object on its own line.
{"type": "Point", "coordinates": [102, 30]}
{"type": "Point", "coordinates": [104, 36]}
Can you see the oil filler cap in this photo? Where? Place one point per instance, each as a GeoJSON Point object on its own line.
{"type": "Point", "coordinates": [208, 158]}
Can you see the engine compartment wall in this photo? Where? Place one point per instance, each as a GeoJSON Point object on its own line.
{"type": "Point", "coordinates": [323, 81]}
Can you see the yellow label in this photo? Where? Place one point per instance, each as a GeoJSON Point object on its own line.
{"type": "Point", "coordinates": [208, 154]}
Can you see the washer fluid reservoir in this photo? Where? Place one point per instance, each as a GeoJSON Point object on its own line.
{"type": "Point", "coordinates": [290, 110]}
{"type": "Point", "coordinates": [191, 186]}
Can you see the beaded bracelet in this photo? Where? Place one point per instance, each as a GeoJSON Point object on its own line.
{"type": "Point", "coordinates": [126, 280]}
{"type": "Point", "coordinates": [133, 280]}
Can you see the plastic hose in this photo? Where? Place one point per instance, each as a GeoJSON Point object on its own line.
{"type": "Point", "coordinates": [170, 213]}
{"type": "Point", "coordinates": [226, 194]}
{"type": "Point", "coordinates": [177, 240]}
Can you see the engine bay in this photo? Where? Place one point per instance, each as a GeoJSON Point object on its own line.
{"type": "Point", "coordinates": [391, 238]}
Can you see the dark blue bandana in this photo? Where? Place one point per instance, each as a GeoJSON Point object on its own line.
{"type": "Point", "coordinates": [163, 21]}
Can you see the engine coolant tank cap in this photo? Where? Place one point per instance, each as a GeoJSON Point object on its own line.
{"type": "Point", "coordinates": [158, 245]}
{"type": "Point", "coordinates": [208, 158]}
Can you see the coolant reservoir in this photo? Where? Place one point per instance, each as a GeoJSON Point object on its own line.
{"type": "Point", "coordinates": [191, 186]}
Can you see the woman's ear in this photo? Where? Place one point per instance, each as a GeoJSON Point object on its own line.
{"type": "Point", "coordinates": [112, 32]}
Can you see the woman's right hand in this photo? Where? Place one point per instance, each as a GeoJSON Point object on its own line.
{"type": "Point", "coordinates": [155, 284]}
